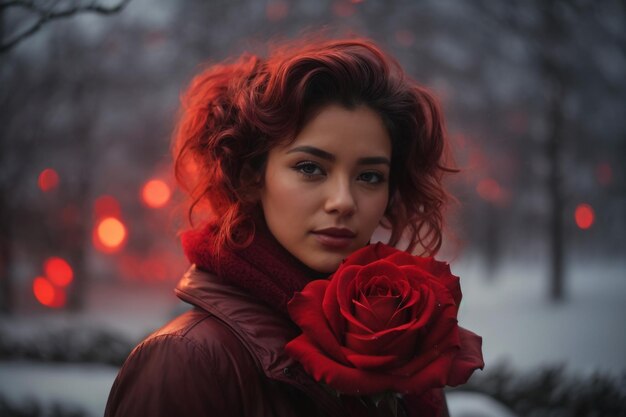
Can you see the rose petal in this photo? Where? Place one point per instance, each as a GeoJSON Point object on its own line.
{"type": "Point", "coordinates": [411, 300]}
{"type": "Point", "coordinates": [440, 271]}
{"type": "Point", "coordinates": [347, 283]}
{"type": "Point", "coordinates": [330, 304]}
{"type": "Point", "coordinates": [444, 294]}
{"type": "Point", "coordinates": [364, 344]}
{"type": "Point", "coordinates": [468, 359]}
{"type": "Point", "coordinates": [383, 309]}
{"type": "Point", "coordinates": [400, 316]}
{"type": "Point", "coordinates": [400, 341]}
{"type": "Point", "coordinates": [433, 375]}
{"type": "Point", "coordinates": [373, 363]}
{"type": "Point", "coordinates": [401, 258]}
{"type": "Point", "coordinates": [422, 312]}
{"type": "Point", "coordinates": [418, 276]}
{"type": "Point", "coordinates": [441, 334]}
{"type": "Point", "coordinates": [426, 353]}
{"type": "Point", "coordinates": [363, 315]}
{"type": "Point", "coordinates": [353, 325]}
{"type": "Point", "coordinates": [345, 379]}
{"type": "Point", "coordinates": [305, 309]}
{"type": "Point", "coordinates": [369, 254]}
{"type": "Point", "coordinates": [380, 268]}
{"type": "Point", "coordinates": [353, 381]}
{"type": "Point", "coordinates": [405, 345]}
{"type": "Point", "coordinates": [384, 341]}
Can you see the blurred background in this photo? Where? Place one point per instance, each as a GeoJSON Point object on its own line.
{"type": "Point", "coordinates": [534, 94]}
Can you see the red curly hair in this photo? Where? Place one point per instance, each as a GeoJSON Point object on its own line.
{"type": "Point", "coordinates": [235, 112]}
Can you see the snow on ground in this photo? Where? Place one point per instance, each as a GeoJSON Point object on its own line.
{"type": "Point", "coordinates": [519, 325]}
{"type": "Point", "coordinates": [77, 386]}
{"type": "Point", "coordinates": [512, 314]}
{"type": "Point", "coordinates": [472, 404]}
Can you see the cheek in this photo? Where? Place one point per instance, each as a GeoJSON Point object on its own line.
{"type": "Point", "coordinates": [285, 202]}
{"type": "Point", "coordinates": [279, 193]}
{"type": "Point", "coordinates": [374, 208]}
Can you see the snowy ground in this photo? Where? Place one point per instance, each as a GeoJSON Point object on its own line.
{"type": "Point", "coordinates": [518, 326]}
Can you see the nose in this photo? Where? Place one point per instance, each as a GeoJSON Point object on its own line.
{"type": "Point", "coordinates": [340, 198]}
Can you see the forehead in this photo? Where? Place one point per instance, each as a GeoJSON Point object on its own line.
{"type": "Point", "coordinates": [337, 129]}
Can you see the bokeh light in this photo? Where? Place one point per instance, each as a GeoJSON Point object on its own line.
{"type": "Point", "coordinates": [47, 294]}
{"type": "Point", "coordinates": [48, 180]}
{"type": "Point", "coordinates": [489, 190]}
{"type": "Point", "coordinates": [584, 216]}
{"type": "Point", "coordinates": [109, 234]}
{"type": "Point", "coordinates": [58, 271]}
{"type": "Point", "coordinates": [155, 193]}
{"type": "Point", "coordinates": [106, 206]}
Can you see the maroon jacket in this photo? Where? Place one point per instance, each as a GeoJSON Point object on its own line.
{"type": "Point", "coordinates": [223, 358]}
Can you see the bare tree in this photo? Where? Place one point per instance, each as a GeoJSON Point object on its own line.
{"type": "Point", "coordinates": [32, 15]}
{"type": "Point", "coordinates": [33, 103]}
{"type": "Point", "coordinates": [561, 55]}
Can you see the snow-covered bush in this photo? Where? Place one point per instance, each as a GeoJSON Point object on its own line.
{"type": "Point", "coordinates": [65, 344]}
{"type": "Point", "coordinates": [32, 408]}
{"type": "Point", "coordinates": [554, 392]}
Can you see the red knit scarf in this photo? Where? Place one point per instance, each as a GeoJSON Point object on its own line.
{"type": "Point", "coordinates": [265, 269]}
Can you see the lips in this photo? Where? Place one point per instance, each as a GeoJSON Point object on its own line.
{"type": "Point", "coordinates": [334, 237]}
{"type": "Point", "coordinates": [336, 232]}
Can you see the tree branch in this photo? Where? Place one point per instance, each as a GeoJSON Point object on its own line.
{"type": "Point", "coordinates": [46, 16]}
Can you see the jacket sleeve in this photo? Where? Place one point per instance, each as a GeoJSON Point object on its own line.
{"type": "Point", "coordinates": [170, 375]}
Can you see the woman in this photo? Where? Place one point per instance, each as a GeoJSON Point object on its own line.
{"type": "Point", "coordinates": [298, 159]}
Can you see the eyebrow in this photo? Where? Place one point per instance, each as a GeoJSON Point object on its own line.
{"type": "Point", "coordinates": [368, 160]}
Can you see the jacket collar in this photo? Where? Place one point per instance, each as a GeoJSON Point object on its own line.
{"type": "Point", "coordinates": [263, 330]}
{"type": "Point", "coordinates": [260, 328]}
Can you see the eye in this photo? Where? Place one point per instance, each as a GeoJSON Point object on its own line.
{"type": "Point", "coordinates": [309, 169]}
{"type": "Point", "coordinates": [371, 177]}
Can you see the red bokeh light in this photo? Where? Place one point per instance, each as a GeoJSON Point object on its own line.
{"type": "Point", "coordinates": [584, 216]}
{"type": "Point", "coordinates": [47, 294]}
{"type": "Point", "coordinates": [58, 271]}
{"type": "Point", "coordinates": [489, 190]}
{"type": "Point", "coordinates": [48, 180]}
{"type": "Point", "coordinates": [106, 206]}
{"type": "Point", "coordinates": [109, 235]}
{"type": "Point", "coordinates": [156, 193]}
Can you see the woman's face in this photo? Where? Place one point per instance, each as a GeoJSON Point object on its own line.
{"type": "Point", "coordinates": [325, 193]}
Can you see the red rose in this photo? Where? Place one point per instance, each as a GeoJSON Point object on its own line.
{"type": "Point", "coordinates": [385, 321]}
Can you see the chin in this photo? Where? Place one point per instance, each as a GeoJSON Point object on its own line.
{"type": "Point", "coordinates": [326, 266]}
